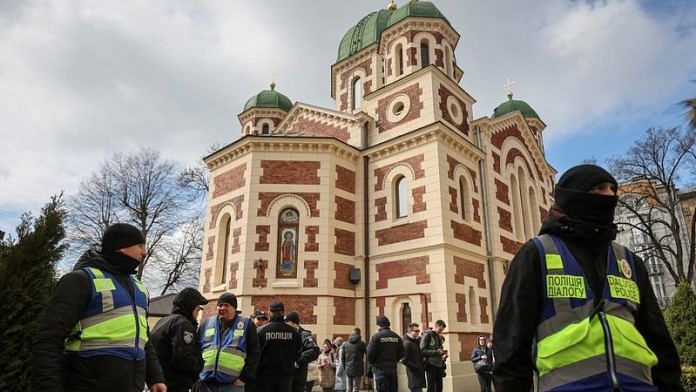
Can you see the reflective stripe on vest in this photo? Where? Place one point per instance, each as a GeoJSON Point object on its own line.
{"type": "Point", "coordinates": [580, 344]}
{"type": "Point", "coordinates": [224, 360]}
{"type": "Point", "coordinates": [114, 322]}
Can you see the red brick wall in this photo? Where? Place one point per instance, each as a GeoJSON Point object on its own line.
{"type": "Point", "coordinates": [366, 66]}
{"type": "Point", "coordinates": [445, 93]}
{"type": "Point", "coordinates": [414, 266]}
{"type": "Point", "coordinates": [439, 58]}
{"type": "Point", "coordinates": [290, 172]}
{"type": "Point", "coordinates": [464, 232]}
{"type": "Point", "coordinates": [311, 280]}
{"type": "Point", "coordinates": [466, 268]}
{"type": "Point", "coordinates": [401, 233]}
{"type": "Point", "coordinates": [475, 204]}
{"type": "Point", "coordinates": [510, 246]}
{"type": "Point", "coordinates": [302, 304]}
{"type": "Point", "coordinates": [513, 154]}
{"type": "Point", "coordinates": [502, 192]}
{"type": "Point", "coordinates": [311, 198]}
{"type": "Point", "coordinates": [415, 162]}
{"type": "Point", "coordinates": [414, 93]}
{"type": "Point", "coordinates": [235, 202]}
{"type": "Point", "coordinates": [344, 311]}
{"type": "Point", "coordinates": [496, 162]}
{"type": "Point", "coordinates": [512, 131]}
{"type": "Point", "coordinates": [381, 207]}
{"type": "Point", "coordinates": [474, 178]}
{"type": "Point", "coordinates": [234, 267]}
{"type": "Point", "coordinates": [345, 179]}
{"type": "Point", "coordinates": [345, 210]}
{"type": "Point", "coordinates": [461, 307]}
{"type": "Point", "coordinates": [310, 126]}
{"type": "Point", "coordinates": [418, 203]}
{"type": "Point", "coordinates": [345, 242]}
{"type": "Point", "coordinates": [236, 233]}
{"type": "Point", "coordinates": [260, 279]}
{"type": "Point", "coordinates": [411, 56]}
{"type": "Point", "coordinates": [229, 181]}
{"type": "Point", "coordinates": [342, 281]}
{"type": "Point", "coordinates": [211, 244]}
{"type": "Point", "coordinates": [208, 274]}
{"type": "Point", "coordinates": [311, 245]}
{"type": "Point", "coordinates": [452, 164]}
{"type": "Point", "coordinates": [483, 301]}
{"type": "Point", "coordinates": [505, 219]}
{"type": "Point", "coordinates": [454, 207]}
{"type": "Point", "coordinates": [381, 303]}
{"type": "Point", "coordinates": [262, 244]}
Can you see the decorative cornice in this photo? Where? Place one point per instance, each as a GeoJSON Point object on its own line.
{"type": "Point", "coordinates": [323, 114]}
{"type": "Point", "coordinates": [261, 112]}
{"type": "Point", "coordinates": [249, 144]}
{"type": "Point", "coordinates": [515, 118]}
{"type": "Point", "coordinates": [419, 24]}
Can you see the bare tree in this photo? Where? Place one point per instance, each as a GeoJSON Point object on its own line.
{"type": "Point", "coordinates": [139, 188]}
{"type": "Point", "coordinates": [650, 171]}
{"type": "Point", "coordinates": [197, 177]}
{"type": "Point", "coordinates": [179, 257]}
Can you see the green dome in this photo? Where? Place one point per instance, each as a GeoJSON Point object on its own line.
{"type": "Point", "coordinates": [513, 105]}
{"type": "Point", "coordinates": [268, 99]}
{"type": "Point", "coordinates": [418, 9]}
{"type": "Point", "coordinates": [365, 33]}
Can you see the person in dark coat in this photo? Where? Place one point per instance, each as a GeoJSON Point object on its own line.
{"type": "Point", "coordinates": [281, 346]}
{"type": "Point", "coordinates": [384, 351]}
{"type": "Point", "coordinates": [176, 340]}
{"type": "Point", "coordinates": [582, 218]}
{"type": "Point", "coordinates": [482, 359]}
{"type": "Point", "coordinates": [353, 359]}
{"type": "Point", "coordinates": [435, 356]}
{"type": "Point", "coordinates": [309, 353]}
{"type": "Point", "coordinates": [415, 371]}
{"type": "Point", "coordinates": [57, 368]}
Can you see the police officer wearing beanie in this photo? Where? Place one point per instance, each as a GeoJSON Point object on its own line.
{"type": "Point", "coordinates": [385, 350]}
{"type": "Point", "coordinates": [578, 307]}
{"type": "Point", "coordinates": [176, 340]}
{"type": "Point", "coordinates": [84, 342]}
{"type": "Point", "coordinates": [280, 349]}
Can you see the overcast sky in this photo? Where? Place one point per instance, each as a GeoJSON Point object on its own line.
{"type": "Point", "coordinates": [80, 80]}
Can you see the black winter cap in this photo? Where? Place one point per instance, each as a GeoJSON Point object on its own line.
{"type": "Point", "coordinates": [121, 235]}
{"type": "Point", "coordinates": [276, 307]}
{"type": "Point", "coordinates": [189, 298]}
{"type": "Point", "coordinates": [383, 321]}
{"type": "Point", "coordinates": [293, 316]}
{"type": "Point", "coordinates": [228, 298]}
{"type": "Point", "coordinates": [584, 177]}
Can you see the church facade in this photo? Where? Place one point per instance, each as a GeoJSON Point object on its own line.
{"type": "Point", "coordinates": [396, 202]}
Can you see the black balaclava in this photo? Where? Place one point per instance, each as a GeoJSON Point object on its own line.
{"type": "Point", "coordinates": [119, 236]}
{"type": "Point", "coordinates": [574, 203]}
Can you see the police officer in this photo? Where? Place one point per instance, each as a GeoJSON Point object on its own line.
{"type": "Point", "coordinates": [176, 340]}
{"type": "Point", "coordinates": [280, 350]}
{"type": "Point", "coordinates": [384, 351]}
{"type": "Point", "coordinates": [586, 303]}
{"type": "Point", "coordinates": [230, 348]}
{"type": "Point", "coordinates": [80, 345]}
{"type": "Point", "coordinates": [310, 352]}
{"type": "Point", "coordinates": [260, 318]}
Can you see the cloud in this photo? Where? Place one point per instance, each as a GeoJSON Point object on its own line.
{"type": "Point", "coordinates": [80, 80]}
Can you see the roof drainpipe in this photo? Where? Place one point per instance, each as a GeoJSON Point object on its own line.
{"type": "Point", "coordinates": [487, 227]}
{"type": "Point", "coordinates": [366, 234]}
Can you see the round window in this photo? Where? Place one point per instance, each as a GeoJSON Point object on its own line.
{"type": "Point", "coordinates": [398, 108]}
{"type": "Point", "coordinates": [455, 110]}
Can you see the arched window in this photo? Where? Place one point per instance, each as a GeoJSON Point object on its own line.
{"type": "Point", "coordinates": [405, 317]}
{"type": "Point", "coordinates": [356, 94]}
{"type": "Point", "coordinates": [522, 189]}
{"type": "Point", "coordinates": [473, 309]}
{"type": "Point", "coordinates": [401, 197]}
{"type": "Point", "coordinates": [516, 207]}
{"type": "Point", "coordinates": [288, 229]}
{"type": "Point", "coordinates": [448, 61]}
{"type": "Point", "coordinates": [425, 53]}
{"type": "Point", "coordinates": [399, 59]}
{"type": "Point", "coordinates": [265, 129]}
{"type": "Point", "coordinates": [463, 197]}
{"type": "Point", "coordinates": [223, 255]}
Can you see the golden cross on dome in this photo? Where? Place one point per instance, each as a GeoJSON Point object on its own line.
{"type": "Point", "coordinates": [273, 83]}
{"type": "Point", "coordinates": [508, 87]}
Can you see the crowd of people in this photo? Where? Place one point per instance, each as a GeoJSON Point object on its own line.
{"type": "Point", "coordinates": [592, 296]}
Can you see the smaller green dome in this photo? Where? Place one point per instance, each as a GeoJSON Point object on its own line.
{"type": "Point", "coordinates": [513, 105]}
{"type": "Point", "coordinates": [418, 9]}
{"type": "Point", "coordinates": [268, 99]}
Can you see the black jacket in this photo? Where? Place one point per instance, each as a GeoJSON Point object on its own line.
{"type": "Point", "coordinates": [520, 306]}
{"type": "Point", "coordinates": [308, 353]}
{"type": "Point", "coordinates": [385, 349]}
{"type": "Point", "coordinates": [281, 345]}
{"type": "Point", "coordinates": [52, 370]}
{"type": "Point", "coordinates": [353, 356]}
{"type": "Point", "coordinates": [429, 345]}
{"type": "Point", "coordinates": [415, 369]}
{"type": "Point", "coordinates": [178, 345]}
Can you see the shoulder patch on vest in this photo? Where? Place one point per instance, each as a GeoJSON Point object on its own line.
{"type": "Point", "coordinates": [625, 268]}
{"type": "Point", "coordinates": [188, 337]}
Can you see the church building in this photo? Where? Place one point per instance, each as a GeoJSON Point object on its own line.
{"type": "Point", "coordinates": [396, 202]}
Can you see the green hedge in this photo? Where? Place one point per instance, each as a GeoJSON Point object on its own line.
{"type": "Point", "coordinates": [689, 378]}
